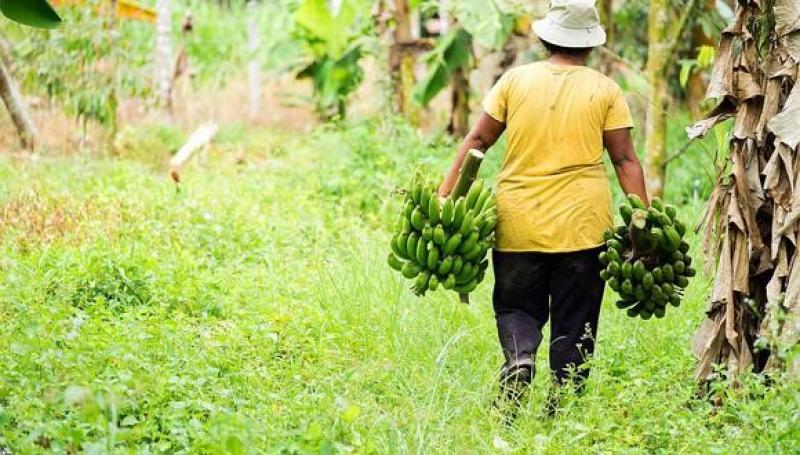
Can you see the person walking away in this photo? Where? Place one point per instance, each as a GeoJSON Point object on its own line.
{"type": "Point", "coordinates": [553, 194]}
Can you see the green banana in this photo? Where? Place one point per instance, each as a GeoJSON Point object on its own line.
{"type": "Point", "coordinates": [416, 193]}
{"type": "Point", "coordinates": [626, 270]}
{"type": "Point", "coordinates": [394, 262]}
{"type": "Point", "coordinates": [422, 253]}
{"type": "Point", "coordinates": [417, 219]}
{"type": "Point", "coordinates": [427, 232]}
{"type": "Point", "coordinates": [434, 209]}
{"type": "Point", "coordinates": [625, 211]}
{"type": "Point", "coordinates": [450, 282]}
{"type": "Point", "coordinates": [658, 275]}
{"type": "Point", "coordinates": [425, 199]}
{"type": "Point", "coordinates": [458, 264]}
{"type": "Point", "coordinates": [474, 193]}
{"type": "Point", "coordinates": [408, 208]}
{"type": "Point", "coordinates": [460, 212]}
{"type": "Point", "coordinates": [421, 283]}
{"type": "Point", "coordinates": [639, 270]}
{"type": "Point", "coordinates": [657, 204]}
{"type": "Point", "coordinates": [467, 223]}
{"type": "Point", "coordinates": [648, 281]}
{"type": "Point", "coordinates": [452, 244]}
{"type": "Point", "coordinates": [445, 267]}
{"type": "Point", "coordinates": [439, 236]}
{"type": "Point", "coordinates": [487, 225]}
{"type": "Point", "coordinates": [474, 253]}
{"type": "Point", "coordinates": [640, 293]}
{"type": "Point", "coordinates": [469, 243]}
{"type": "Point", "coordinates": [485, 196]}
{"type": "Point", "coordinates": [433, 283]}
{"type": "Point", "coordinates": [467, 288]}
{"type": "Point", "coordinates": [448, 209]}
{"type": "Point", "coordinates": [615, 244]}
{"type": "Point", "coordinates": [613, 255]}
{"type": "Point", "coordinates": [410, 270]}
{"type": "Point", "coordinates": [614, 269]}
{"type": "Point", "coordinates": [636, 202]}
{"type": "Point", "coordinates": [398, 245]}
{"type": "Point", "coordinates": [671, 211]}
{"type": "Point", "coordinates": [674, 238]}
{"type": "Point", "coordinates": [669, 273]}
{"type": "Point", "coordinates": [411, 246]}
{"type": "Point", "coordinates": [433, 257]}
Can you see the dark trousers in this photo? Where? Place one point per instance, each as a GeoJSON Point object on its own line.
{"type": "Point", "coordinates": [531, 288]}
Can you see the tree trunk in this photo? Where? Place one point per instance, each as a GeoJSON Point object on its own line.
{"type": "Point", "coordinates": [402, 62]}
{"type": "Point", "coordinates": [655, 127]}
{"type": "Point", "coordinates": [254, 66]}
{"type": "Point", "coordinates": [606, 11]}
{"type": "Point", "coordinates": [696, 85]}
{"type": "Point", "coordinates": [163, 58]}
{"type": "Point", "coordinates": [459, 110]}
{"type": "Point", "coordinates": [17, 109]}
{"type": "Point", "coordinates": [753, 220]}
{"type": "Point", "coordinates": [663, 35]}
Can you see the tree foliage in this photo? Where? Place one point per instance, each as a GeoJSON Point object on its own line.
{"type": "Point", "coordinates": [334, 46]}
{"type": "Point", "coordinates": [35, 13]}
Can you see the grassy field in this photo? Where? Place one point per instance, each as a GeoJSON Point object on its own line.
{"type": "Point", "coordinates": [250, 311]}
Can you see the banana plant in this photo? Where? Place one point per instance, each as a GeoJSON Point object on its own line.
{"type": "Point", "coordinates": [334, 46]}
{"type": "Point", "coordinates": [482, 21]}
{"type": "Point", "coordinates": [35, 13]}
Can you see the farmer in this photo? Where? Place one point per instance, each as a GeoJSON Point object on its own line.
{"type": "Point", "coordinates": [553, 194]}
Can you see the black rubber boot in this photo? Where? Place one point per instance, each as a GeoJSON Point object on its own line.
{"type": "Point", "coordinates": [515, 380]}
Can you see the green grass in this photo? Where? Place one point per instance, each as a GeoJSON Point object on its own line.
{"type": "Point", "coordinates": [251, 311]}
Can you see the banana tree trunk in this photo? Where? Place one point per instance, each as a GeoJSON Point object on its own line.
{"type": "Point", "coordinates": [753, 222]}
{"type": "Point", "coordinates": [459, 110]}
{"type": "Point", "coordinates": [402, 62]}
{"type": "Point", "coordinates": [163, 58]}
{"type": "Point", "coordinates": [17, 109]}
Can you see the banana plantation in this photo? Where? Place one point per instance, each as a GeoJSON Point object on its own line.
{"type": "Point", "coordinates": [399, 226]}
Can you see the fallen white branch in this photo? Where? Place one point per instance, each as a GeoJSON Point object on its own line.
{"type": "Point", "coordinates": [201, 137]}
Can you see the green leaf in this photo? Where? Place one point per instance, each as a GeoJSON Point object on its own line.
{"type": "Point", "coordinates": [451, 53]}
{"type": "Point", "coordinates": [315, 17]}
{"type": "Point", "coordinates": [686, 71]}
{"type": "Point", "coordinates": [484, 20]}
{"type": "Point", "coordinates": [35, 13]}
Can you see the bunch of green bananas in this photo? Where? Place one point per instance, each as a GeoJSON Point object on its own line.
{"type": "Point", "coordinates": [443, 242]}
{"type": "Point", "coordinates": [647, 261]}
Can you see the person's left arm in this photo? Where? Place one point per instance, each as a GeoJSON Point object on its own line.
{"type": "Point", "coordinates": [623, 155]}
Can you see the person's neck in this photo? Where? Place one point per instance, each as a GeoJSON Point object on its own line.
{"type": "Point", "coordinates": [560, 59]}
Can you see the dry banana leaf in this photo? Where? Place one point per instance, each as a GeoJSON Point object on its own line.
{"type": "Point", "coordinates": [756, 209]}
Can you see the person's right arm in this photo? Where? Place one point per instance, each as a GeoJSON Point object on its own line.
{"type": "Point", "coordinates": [482, 136]}
{"type": "Point", "coordinates": [626, 164]}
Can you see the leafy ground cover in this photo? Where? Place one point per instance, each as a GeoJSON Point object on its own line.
{"type": "Point", "coordinates": [250, 310]}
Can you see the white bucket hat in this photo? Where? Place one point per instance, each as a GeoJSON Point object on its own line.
{"type": "Point", "coordinates": [571, 23]}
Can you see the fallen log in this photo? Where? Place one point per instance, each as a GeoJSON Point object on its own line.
{"type": "Point", "coordinates": [201, 137]}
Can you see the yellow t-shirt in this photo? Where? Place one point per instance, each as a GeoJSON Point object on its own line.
{"type": "Point", "coordinates": [553, 193]}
